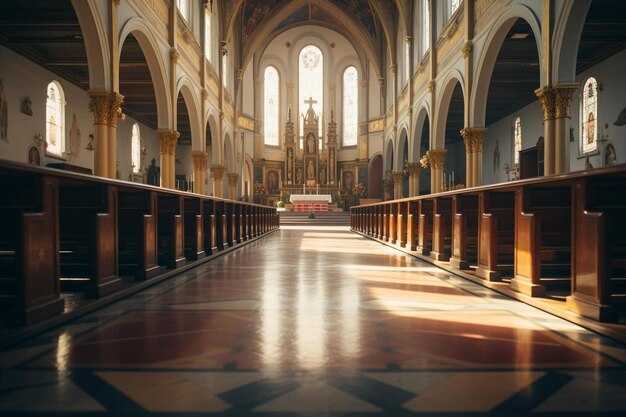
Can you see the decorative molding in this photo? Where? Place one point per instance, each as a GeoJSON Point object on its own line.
{"type": "Point", "coordinates": [473, 138]}
{"type": "Point", "coordinates": [564, 94]}
{"type": "Point", "coordinates": [217, 172]}
{"type": "Point", "coordinates": [377, 125]}
{"type": "Point", "coordinates": [199, 160]}
{"type": "Point", "coordinates": [205, 94]}
{"type": "Point", "coordinates": [437, 158]}
{"type": "Point", "coordinates": [414, 169]}
{"type": "Point", "coordinates": [168, 139]}
{"type": "Point", "coordinates": [397, 177]}
{"type": "Point", "coordinates": [239, 74]}
{"type": "Point", "coordinates": [467, 49]}
{"type": "Point", "coordinates": [431, 86]}
{"type": "Point", "coordinates": [174, 55]}
{"type": "Point", "coordinates": [246, 123]}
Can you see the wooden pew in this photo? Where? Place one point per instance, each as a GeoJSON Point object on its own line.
{"type": "Point", "coordinates": [88, 238]}
{"type": "Point", "coordinates": [171, 242]}
{"type": "Point", "coordinates": [425, 227]}
{"type": "Point", "coordinates": [210, 227]}
{"type": "Point", "coordinates": [401, 233]}
{"type": "Point", "coordinates": [238, 224]}
{"type": "Point", "coordinates": [137, 233]}
{"type": "Point", "coordinates": [599, 248]}
{"type": "Point", "coordinates": [220, 224]}
{"type": "Point", "coordinates": [542, 240]}
{"type": "Point", "coordinates": [194, 228]}
{"type": "Point", "coordinates": [464, 231]}
{"type": "Point", "coordinates": [442, 229]}
{"type": "Point", "coordinates": [392, 228]}
{"type": "Point", "coordinates": [29, 251]}
{"type": "Point", "coordinates": [496, 231]}
{"type": "Point", "coordinates": [412, 223]}
{"type": "Point", "coordinates": [230, 225]}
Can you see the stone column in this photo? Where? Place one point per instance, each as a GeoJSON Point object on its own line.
{"type": "Point", "coordinates": [232, 185]}
{"type": "Point", "coordinates": [217, 173]}
{"type": "Point", "coordinates": [115, 101]}
{"type": "Point", "coordinates": [546, 98]}
{"type": "Point", "coordinates": [474, 139]}
{"type": "Point", "coordinates": [199, 160]}
{"type": "Point", "coordinates": [99, 107]}
{"type": "Point", "coordinates": [414, 178]}
{"type": "Point", "coordinates": [168, 140]}
{"type": "Point", "coordinates": [397, 184]}
{"type": "Point", "coordinates": [437, 158]}
{"type": "Point", "coordinates": [563, 103]}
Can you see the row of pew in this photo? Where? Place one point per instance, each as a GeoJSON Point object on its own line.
{"type": "Point", "coordinates": [562, 237]}
{"type": "Point", "coordinates": [65, 232]}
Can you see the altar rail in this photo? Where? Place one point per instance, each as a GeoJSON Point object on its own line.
{"type": "Point", "coordinates": [62, 231]}
{"type": "Point", "coordinates": [562, 237]}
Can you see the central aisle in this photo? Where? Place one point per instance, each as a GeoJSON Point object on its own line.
{"type": "Point", "coordinates": [315, 321]}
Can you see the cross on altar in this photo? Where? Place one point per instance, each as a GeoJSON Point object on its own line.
{"type": "Point", "coordinates": [310, 102]}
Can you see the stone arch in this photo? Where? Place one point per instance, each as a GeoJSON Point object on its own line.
{"type": "Point", "coordinates": [191, 102]}
{"type": "Point", "coordinates": [403, 139]}
{"type": "Point", "coordinates": [389, 156]}
{"type": "Point", "coordinates": [444, 98]}
{"type": "Point", "coordinates": [229, 153]}
{"type": "Point", "coordinates": [149, 46]}
{"type": "Point", "coordinates": [98, 53]}
{"type": "Point", "coordinates": [215, 152]}
{"type": "Point", "coordinates": [566, 39]}
{"type": "Point", "coordinates": [489, 55]}
{"type": "Point", "coordinates": [415, 145]}
{"type": "Point", "coordinates": [375, 176]}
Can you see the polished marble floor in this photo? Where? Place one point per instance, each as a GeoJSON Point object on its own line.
{"type": "Point", "coordinates": [315, 321]}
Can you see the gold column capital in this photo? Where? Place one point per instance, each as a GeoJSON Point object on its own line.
{"type": "Point", "coordinates": [437, 157]}
{"type": "Point", "coordinates": [168, 140]}
{"type": "Point", "coordinates": [115, 103]}
{"type": "Point", "coordinates": [563, 99]}
{"type": "Point", "coordinates": [414, 169]}
{"type": "Point", "coordinates": [99, 105]}
{"type": "Point", "coordinates": [397, 177]}
{"type": "Point", "coordinates": [546, 99]}
{"type": "Point", "coordinates": [232, 178]}
{"type": "Point", "coordinates": [467, 49]}
{"type": "Point", "coordinates": [217, 172]}
{"type": "Point", "coordinates": [473, 138]}
{"type": "Point", "coordinates": [199, 160]}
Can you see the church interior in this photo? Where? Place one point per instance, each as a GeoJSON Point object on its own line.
{"type": "Point", "coordinates": [312, 207]}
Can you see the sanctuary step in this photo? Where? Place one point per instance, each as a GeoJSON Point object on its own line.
{"type": "Point", "coordinates": [321, 219]}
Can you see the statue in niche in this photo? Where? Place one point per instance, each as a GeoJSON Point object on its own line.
{"type": "Point", "coordinates": [34, 156]}
{"type": "Point", "coordinates": [610, 156]}
{"type": "Point", "coordinates": [496, 157]}
{"type": "Point", "coordinates": [26, 106]}
{"type": "Point", "coordinates": [322, 176]}
{"type": "Point", "coordinates": [310, 171]}
{"type": "Point", "coordinates": [75, 138]}
{"type": "Point", "coordinates": [272, 182]}
{"type": "Point", "coordinates": [4, 114]}
{"type": "Point", "coordinates": [299, 176]}
{"type": "Point", "coordinates": [310, 143]}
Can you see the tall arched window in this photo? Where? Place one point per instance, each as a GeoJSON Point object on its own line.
{"type": "Point", "coordinates": [311, 85]}
{"type": "Point", "coordinates": [517, 139]}
{"type": "Point", "coordinates": [453, 5]}
{"type": "Point", "coordinates": [271, 108]}
{"type": "Point", "coordinates": [425, 26]}
{"type": "Point", "coordinates": [55, 116]}
{"type": "Point", "coordinates": [225, 67]}
{"type": "Point", "coordinates": [135, 149]}
{"type": "Point", "coordinates": [589, 117]}
{"type": "Point", "coordinates": [183, 8]}
{"type": "Point", "coordinates": [350, 106]}
{"type": "Point", "coordinates": [207, 34]}
{"type": "Point", "coordinates": [407, 58]}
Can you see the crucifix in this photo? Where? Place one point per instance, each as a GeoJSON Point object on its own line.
{"type": "Point", "coordinates": [310, 102]}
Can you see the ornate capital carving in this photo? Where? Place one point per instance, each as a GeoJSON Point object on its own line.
{"type": "Point", "coordinates": [397, 178]}
{"type": "Point", "coordinates": [115, 103]}
{"type": "Point", "coordinates": [393, 68]}
{"type": "Point", "coordinates": [168, 140]}
{"type": "Point", "coordinates": [431, 86]}
{"type": "Point", "coordinates": [217, 172]}
{"type": "Point", "coordinates": [563, 99]}
{"type": "Point", "coordinates": [473, 138]}
{"type": "Point", "coordinates": [199, 160]}
{"type": "Point", "coordinates": [232, 179]}
{"type": "Point", "coordinates": [99, 106]}
{"type": "Point", "coordinates": [414, 169]}
{"type": "Point", "coordinates": [239, 74]}
{"type": "Point", "coordinates": [467, 49]}
{"type": "Point", "coordinates": [205, 94]}
{"type": "Point", "coordinates": [548, 104]}
{"type": "Point", "coordinates": [437, 158]}
{"type": "Point", "coordinates": [365, 83]}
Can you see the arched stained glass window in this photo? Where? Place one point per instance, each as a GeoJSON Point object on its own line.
{"type": "Point", "coordinates": [271, 108]}
{"type": "Point", "coordinates": [589, 117]}
{"type": "Point", "coordinates": [183, 8]}
{"type": "Point", "coordinates": [135, 149]}
{"type": "Point", "coordinates": [311, 84]}
{"type": "Point", "coordinates": [453, 6]}
{"type": "Point", "coordinates": [425, 26]}
{"type": "Point", "coordinates": [517, 139]}
{"type": "Point", "coordinates": [55, 115]}
{"type": "Point", "coordinates": [207, 34]}
{"type": "Point", "coordinates": [350, 106]}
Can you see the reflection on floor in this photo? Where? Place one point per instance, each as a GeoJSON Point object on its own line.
{"type": "Point", "coordinates": [315, 321]}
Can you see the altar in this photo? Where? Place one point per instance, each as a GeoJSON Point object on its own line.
{"type": "Point", "coordinates": [310, 202]}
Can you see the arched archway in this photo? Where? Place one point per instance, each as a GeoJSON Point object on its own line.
{"type": "Point", "coordinates": [229, 163]}
{"type": "Point", "coordinates": [420, 145]}
{"type": "Point", "coordinates": [375, 177]}
{"type": "Point", "coordinates": [184, 125]}
{"type": "Point", "coordinates": [402, 162]}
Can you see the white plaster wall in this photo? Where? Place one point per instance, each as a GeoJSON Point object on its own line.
{"type": "Point", "coordinates": [22, 77]}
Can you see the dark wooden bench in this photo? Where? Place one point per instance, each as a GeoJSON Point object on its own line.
{"type": "Point", "coordinates": [88, 238]}
{"type": "Point", "coordinates": [464, 231]}
{"type": "Point", "coordinates": [425, 227]}
{"type": "Point", "coordinates": [496, 232]}
{"type": "Point", "coordinates": [29, 254]}
{"type": "Point", "coordinates": [137, 233]}
{"type": "Point", "coordinates": [442, 229]}
{"type": "Point", "coordinates": [170, 212]}
{"type": "Point", "coordinates": [194, 228]}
